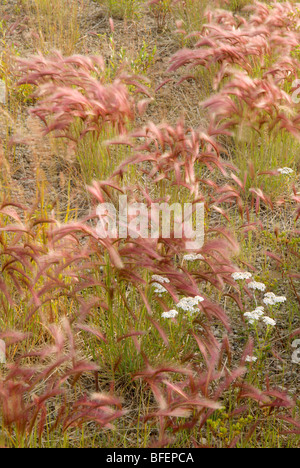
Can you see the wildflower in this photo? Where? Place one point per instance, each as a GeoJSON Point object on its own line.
{"type": "Point", "coordinates": [285, 170]}
{"type": "Point", "coordinates": [161, 279]}
{"type": "Point", "coordinates": [269, 321]}
{"type": "Point", "coordinates": [251, 359]}
{"type": "Point", "coordinates": [159, 289]}
{"type": "Point", "coordinates": [199, 299]}
{"type": "Point", "coordinates": [255, 315]}
{"type": "Point", "coordinates": [280, 299]}
{"type": "Point", "coordinates": [257, 286]}
{"type": "Point", "coordinates": [239, 275]}
{"type": "Point", "coordinates": [188, 304]}
{"type": "Point", "coordinates": [271, 299]}
{"type": "Point", "coordinates": [171, 314]}
{"type": "Point", "coordinates": [268, 301]}
{"type": "Point", "coordinates": [193, 257]}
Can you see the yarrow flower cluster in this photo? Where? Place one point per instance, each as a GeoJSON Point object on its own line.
{"type": "Point", "coordinates": [189, 304]}
{"type": "Point", "coordinates": [271, 299]}
{"type": "Point", "coordinates": [269, 321]}
{"type": "Point", "coordinates": [285, 170]}
{"type": "Point", "coordinates": [255, 315]}
{"type": "Point", "coordinates": [159, 289]}
{"type": "Point", "coordinates": [171, 314]}
{"type": "Point", "coordinates": [240, 276]}
{"type": "Point", "coordinates": [251, 359]}
{"type": "Point", "coordinates": [193, 257]}
{"type": "Point", "coordinates": [257, 286]}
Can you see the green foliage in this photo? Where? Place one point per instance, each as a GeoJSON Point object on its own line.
{"type": "Point", "coordinates": [121, 9]}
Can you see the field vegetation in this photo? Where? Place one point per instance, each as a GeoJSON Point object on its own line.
{"type": "Point", "coordinates": [139, 342]}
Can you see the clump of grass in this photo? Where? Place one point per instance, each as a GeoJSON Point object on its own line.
{"type": "Point", "coordinates": [79, 104]}
{"type": "Point", "coordinates": [123, 9]}
{"type": "Point", "coordinates": [190, 14]}
{"type": "Point", "coordinates": [251, 100]}
{"type": "Point", "coordinates": [56, 25]}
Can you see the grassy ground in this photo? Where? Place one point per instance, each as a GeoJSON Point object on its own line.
{"type": "Point", "coordinates": [91, 361]}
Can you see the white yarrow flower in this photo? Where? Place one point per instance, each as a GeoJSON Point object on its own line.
{"type": "Point", "coordinates": [257, 286]}
{"type": "Point", "coordinates": [280, 299]}
{"type": "Point", "coordinates": [239, 275]}
{"type": "Point", "coordinates": [268, 301]}
{"type": "Point", "coordinates": [271, 299]}
{"type": "Point", "coordinates": [171, 314]}
{"type": "Point", "coordinates": [188, 304]}
{"type": "Point", "coordinates": [270, 295]}
{"type": "Point", "coordinates": [269, 321]}
{"type": "Point", "coordinates": [251, 359]}
{"type": "Point", "coordinates": [161, 279]}
{"type": "Point", "coordinates": [159, 289]}
{"type": "Point", "coordinates": [193, 257]}
{"type": "Point", "coordinates": [285, 170]}
{"type": "Point", "coordinates": [255, 315]}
